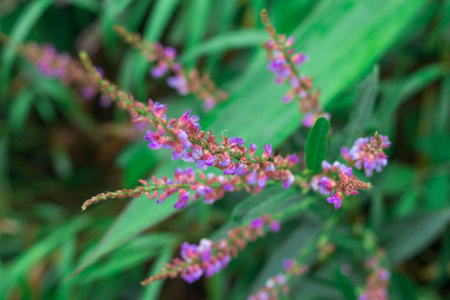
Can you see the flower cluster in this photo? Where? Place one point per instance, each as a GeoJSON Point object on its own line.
{"type": "Point", "coordinates": [344, 183]}
{"type": "Point", "coordinates": [210, 257]}
{"type": "Point", "coordinates": [283, 63]}
{"type": "Point", "coordinates": [188, 186]}
{"type": "Point", "coordinates": [377, 282]}
{"type": "Point", "coordinates": [189, 143]}
{"type": "Point", "coordinates": [367, 153]}
{"type": "Point", "coordinates": [185, 82]}
{"type": "Point", "coordinates": [61, 66]}
{"type": "Point", "coordinates": [278, 283]}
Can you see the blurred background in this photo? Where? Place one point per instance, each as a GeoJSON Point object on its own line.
{"type": "Point", "coordinates": [58, 149]}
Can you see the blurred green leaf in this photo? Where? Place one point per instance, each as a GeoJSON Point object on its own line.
{"type": "Point", "coordinates": [20, 109]}
{"type": "Point", "coordinates": [225, 42]}
{"type": "Point", "coordinates": [92, 6]}
{"type": "Point", "coordinates": [289, 249]}
{"type": "Point", "coordinates": [404, 238]}
{"type": "Point", "coordinates": [23, 25]}
{"type": "Point", "coordinates": [443, 108]}
{"type": "Point", "coordinates": [21, 266]}
{"type": "Point", "coordinates": [437, 191]}
{"type": "Point", "coordinates": [153, 290]}
{"type": "Point", "coordinates": [112, 9]}
{"type": "Point", "coordinates": [398, 91]}
{"type": "Point", "coordinates": [344, 284]}
{"type": "Point", "coordinates": [358, 32]}
{"type": "Point", "coordinates": [199, 13]}
{"type": "Point", "coordinates": [402, 288]}
{"type": "Point", "coordinates": [130, 255]}
{"type": "Point", "coordinates": [46, 110]}
{"type": "Point", "coordinates": [363, 110]}
{"type": "Point", "coordinates": [137, 162]}
{"type": "Point", "coordinates": [406, 204]}
{"type": "Point", "coordinates": [316, 145]}
{"type": "Point", "coordinates": [396, 178]}
{"type": "Point", "coordinates": [67, 258]}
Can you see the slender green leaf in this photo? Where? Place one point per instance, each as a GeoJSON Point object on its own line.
{"type": "Point", "coordinates": [23, 264]}
{"type": "Point", "coordinates": [22, 27]}
{"type": "Point", "coordinates": [19, 110]}
{"type": "Point", "coordinates": [364, 107]}
{"type": "Point", "coordinates": [404, 238]}
{"type": "Point", "coordinates": [316, 145]}
{"type": "Point", "coordinates": [344, 284]}
{"type": "Point", "coordinates": [130, 255]}
{"type": "Point", "coordinates": [90, 5]}
{"type": "Point", "coordinates": [397, 92]}
{"type": "Point", "coordinates": [225, 42]}
{"type": "Point", "coordinates": [153, 290]}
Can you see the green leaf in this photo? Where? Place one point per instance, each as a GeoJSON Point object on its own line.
{"type": "Point", "coordinates": [358, 32]}
{"type": "Point", "coordinates": [24, 24]}
{"type": "Point", "coordinates": [153, 290]}
{"type": "Point", "coordinates": [404, 238]}
{"type": "Point", "coordinates": [21, 266]}
{"type": "Point", "coordinates": [19, 110]}
{"type": "Point", "coordinates": [364, 107]}
{"type": "Point", "coordinates": [316, 145]}
{"type": "Point", "coordinates": [90, 5]}
{"type": "Point", "coordinates": [130, 255]}
{"type": "Point", "coordinates": [225, 42]}
{"type": "Point", "coordinates": [397, 92]}
{"type": "Point", "coordinates": [289, 249]}
{"type": "Point", "coordinates": [402, 288]}
{"type": "Point", "coordinates": [344, 284]}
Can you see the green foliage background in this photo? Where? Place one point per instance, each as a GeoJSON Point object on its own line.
{"type": "Point", "coordinates": [381, 65]}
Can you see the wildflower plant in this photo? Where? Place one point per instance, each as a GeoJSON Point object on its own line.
{"type": "Point", "coordinates": [221, 165]}
{"type": "Point", "coordinates": [240, 167]}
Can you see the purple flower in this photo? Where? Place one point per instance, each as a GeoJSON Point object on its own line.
{"type": "Point", "coordinates": [300, 58]}
{"type": "Point", "coordinates": [231, 170]}
{"type": "Point", "coordinates": [253, 148]}
{"type": "Point", "coordinates": [289, 180]}
{"type": "Point", "coordinates": [293, 159]}
{"type": "Point", "coordinates": [326, 166]}
{"type": "Point", "coordinates": [346, 170]}
{"type": "Point", "coordinates": [182, 135]}
{"type": "Point", "coordinates": [209, 104]}
{"type": "Point", "coordinates": [89, 92]}
{"type": "Point", "coordinates": [183, 200]}
{"type": "Point", "coordinates": [205, 249]}
{"type": "Point", "coordinates": [241, 169]}
{"type": "Point", "coordinates": [236, 141]}
{"type": "Point", "coordinates": [334, 199]}
{"type": "Point", "coordinates": [257, 223]}
{"type": "Point", "coordinates": [188, 251]}
{"type": "Point", "coordinates": [252, 178]}
{"type": "Point", "coordinates": [193, 274]}
{"type": "Point", "coordinates": [267, 150]}
{"type": "Point", "coordinates": [170, 53]}
{"type": "Point", "coordinates": [208, 161]}
{"type": "Point", "coordinates": [153, 143]}
{"type": "Point", "coordinates": [179, 83]}
{"type": "Point", "coordinates": [325, 185]}
{"type": "Point", "coordinates": [384, 275]}
{"type": "Point", "coordinates": [160, 69]}
{"type": "Point", "coordinates": [262, 180]}
{"type": "Point", "coordinates": [275, 226]}
{"type": "Point", "coordinates": [288, 264]}
{"type": "Point", "coordinates": [105, 102]}
{"type": "Point", "coordinates": [308, 119]}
